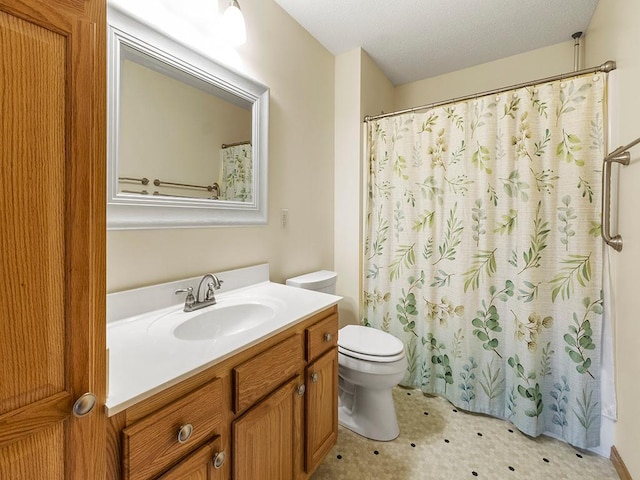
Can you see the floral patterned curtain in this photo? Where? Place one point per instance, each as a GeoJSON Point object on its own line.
{"type": "Point", "coordinates": [483, 252]}
{"type": "Point", "coordinates": [236, 176]}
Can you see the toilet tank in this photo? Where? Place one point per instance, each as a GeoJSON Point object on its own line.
{"type": "Point", "coordinates": [320, 281]}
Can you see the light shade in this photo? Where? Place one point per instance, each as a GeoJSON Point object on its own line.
{"type": "Point", "coordinates": [234, 29]}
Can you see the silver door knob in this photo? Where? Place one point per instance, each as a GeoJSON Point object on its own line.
{"type": "Point", "coordinates": [84, 405]}
{"type": "Point", "coordinates": [184, 432]}
{"type": "Point", "coordinates": [218, 459]}
{"type": "Point", "coordinates": [301, 389]}
{"type": "Point", "coordinates": [315, 376]}
{"type": "Point", "coordinates": [327, 337]}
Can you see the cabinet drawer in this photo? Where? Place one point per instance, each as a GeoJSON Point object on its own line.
{"type": "Point", "coordinates": [259, 376]}
{"type": "Point", "coordinates": [151, 444]}
{"type": "Point", "coordinates": [321, 336]}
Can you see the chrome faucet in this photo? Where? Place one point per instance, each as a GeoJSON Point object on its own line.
{"type": "Point", "coordinates": [192, 302]}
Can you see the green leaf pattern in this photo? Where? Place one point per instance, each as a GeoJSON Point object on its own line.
{"type": "Point", "coordinates": [482, 254]}
{"type": "Point", "coordinates": [236, 175]}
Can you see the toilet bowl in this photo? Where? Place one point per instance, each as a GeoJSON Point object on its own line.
{"type": "Point", "coordinates": [370, 363]}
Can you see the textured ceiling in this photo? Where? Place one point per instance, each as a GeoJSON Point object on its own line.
{"type": "Point", "coordinates": [415, 39]}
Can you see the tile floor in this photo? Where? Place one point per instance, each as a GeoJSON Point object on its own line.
{"type": "Point", "coordinates": [439, 442]}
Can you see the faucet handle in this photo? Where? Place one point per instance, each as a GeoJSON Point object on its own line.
{"type": "Point", "coordinates": [210, 295]}
{"type": "Point", "coordinates": [190, 300]}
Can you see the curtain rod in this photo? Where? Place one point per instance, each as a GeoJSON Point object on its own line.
{"type": "Point", "coordinates": [606, 67]}
{"type": "Point", "coordinates": [237, 144]}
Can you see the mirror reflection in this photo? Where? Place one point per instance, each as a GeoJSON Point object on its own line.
{"type": "Point", "coordinates": [180, 136]}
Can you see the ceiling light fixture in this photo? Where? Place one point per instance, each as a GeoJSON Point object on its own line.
{"type": "Point", "coordinates": [234, 29]}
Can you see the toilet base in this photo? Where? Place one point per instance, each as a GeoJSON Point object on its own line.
{"type": "Point", "coordinates": [371, 414]}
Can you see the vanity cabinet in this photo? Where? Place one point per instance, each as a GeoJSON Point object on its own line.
{"type": "Point", "coordinates": [268, 412]}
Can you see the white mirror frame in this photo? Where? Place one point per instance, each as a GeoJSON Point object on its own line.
{"type": "Point", "coordinates": [150, 212]}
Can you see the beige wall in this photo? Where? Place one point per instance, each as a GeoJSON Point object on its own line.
{"type": "Point", "coordinates": [377, 92]}
{"type": "Point", "coordinates": [347, 183]}
{"type": "Point", "coordinates": [360, 89]}
{"type": "Point", "coordinates": [300, 74]}
{"type": "Point", "coordinates": [520, 68]}
{"type": "Point", "coordinates": [613, 35]}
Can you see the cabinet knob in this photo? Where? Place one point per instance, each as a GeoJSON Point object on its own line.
{"type": "Point", "coordinates": [315, 376]}
{"type": "Point", "coordinates": [218, 459]}
{"type": "Point", "coordinates": [301, 389]}
{"type": "Point", "coordinates": [327, 337]}
{"type": "Point", "coordinates": [184, 432]}
{"type": "Point", "coordinates": [84, 405]}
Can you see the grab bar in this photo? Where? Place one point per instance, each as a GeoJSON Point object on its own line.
{"type": "Point", "coordinates": [210, 188]}
{"type": "Point", "coordinates": [619, 155]}
{"type": "Point", "coordinates": [143, 181]}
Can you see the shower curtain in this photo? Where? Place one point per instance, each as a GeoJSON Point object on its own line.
{"type": "Point", "coordinates": [236, 175]}
{"type": "Point", "coordinates": [483, 252]}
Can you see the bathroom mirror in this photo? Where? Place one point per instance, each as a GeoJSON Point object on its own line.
{"type": "Point", "coordinates": [187, 137]}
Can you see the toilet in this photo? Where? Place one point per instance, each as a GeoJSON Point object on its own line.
{"type": "Point", "coordinates": [370, 363]}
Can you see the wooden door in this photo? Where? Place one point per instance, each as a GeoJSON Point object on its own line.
{"type": "Point", "coordinates": [52, 233]}
{"type": "Point", "coordinates": [321, 418]}
{"type": "Point", "coordinates": [266, 439]}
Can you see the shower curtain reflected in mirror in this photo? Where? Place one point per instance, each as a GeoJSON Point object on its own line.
{"type": "Point", "coordinates": [236, 176]}
{"type": "Point", "coordinates": [483, 252]}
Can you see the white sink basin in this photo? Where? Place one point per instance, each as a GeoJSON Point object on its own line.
{"type": "Point", "coordinates": [223, 321]}
{"type": "Point", "coordinates": [229, 317]}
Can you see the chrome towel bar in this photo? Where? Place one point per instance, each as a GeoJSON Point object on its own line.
{"type": "Point", "coordinates": [619, 155]}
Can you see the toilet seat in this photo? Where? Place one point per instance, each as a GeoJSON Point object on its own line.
{"type": "Point", "coordinates": [369, 344]}
{"type": "Point", "coordinates": [371, 358]}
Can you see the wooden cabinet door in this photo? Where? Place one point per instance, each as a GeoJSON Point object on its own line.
{"type": "Point", "coordinates": [199, 465]}
{"type": "Point", "coordinates": [266, 439]}
{"type": "Point", "coordinates": [52, 233]}
{"type": "Point", "coordinates": [321, 416]}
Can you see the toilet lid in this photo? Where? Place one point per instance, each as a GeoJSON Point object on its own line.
{"type": "Point", "coordinates": [369, 341]}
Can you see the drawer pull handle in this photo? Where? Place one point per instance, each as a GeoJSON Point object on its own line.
{"type": "Point", "coordinates": [301, 389]}
{"type": "Point", "coordinates": [218, 459]}
{"type": "Point", "coordinates": [327, 337]}
{"type": "Point", "coordinates": [315, 376]}
{"type": "Point", "coordinates": [184, 433]}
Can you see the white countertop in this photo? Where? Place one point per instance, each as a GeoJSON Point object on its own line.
{"type": "Point", "coordinates": [144, 359]}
